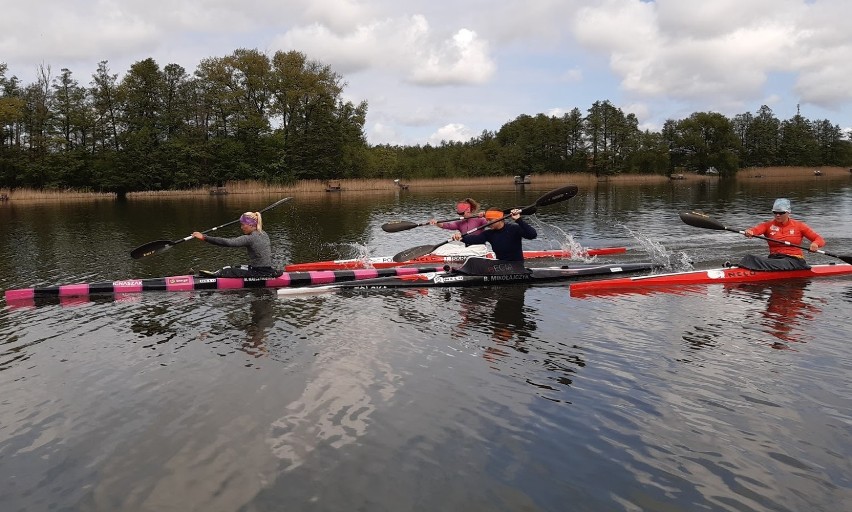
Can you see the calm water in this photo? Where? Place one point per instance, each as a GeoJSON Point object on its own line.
{"type": "Point", "coordinates": [514, 398]}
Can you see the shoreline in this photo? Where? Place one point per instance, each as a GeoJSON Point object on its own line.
{"type": "Point", "coordinates": [768, 174]}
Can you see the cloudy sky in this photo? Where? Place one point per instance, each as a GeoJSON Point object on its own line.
{"type": "Point", "coordinates": [447, 70]}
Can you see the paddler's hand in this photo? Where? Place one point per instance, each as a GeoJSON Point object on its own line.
{"type": "Point", "coordinates": [516, 214]}
{"type": "Point", "coordinates": [457, 236]}
{"type": "Point", "coordinates": [198, 235]}
{"type": "Point", "coordinates": [814, 246]}
{"type": "Point", "coordinates": [749, 233]}
{"type": "Point", "coordinates": [433, 222]}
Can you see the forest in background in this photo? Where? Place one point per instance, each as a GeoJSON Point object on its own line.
{"type": "Point", "coordinates": [282, 118]}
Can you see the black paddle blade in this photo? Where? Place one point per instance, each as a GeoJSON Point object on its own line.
{"type": "Point", "coordinates": [150, 248]}
{"type": "Point", "coordinates": [700, 220]}
{"type": "Point", "coordinates": [394, 227]}
{"type": "Point", "coordinates": [558, 195]}
{"type": "Point", "coordinates": [415, 252]}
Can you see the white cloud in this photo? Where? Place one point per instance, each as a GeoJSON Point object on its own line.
{"type": "Point", "coordinates": [446, 69]}
{"type": "Point", "coordinates": [407, 45]}
{"type": "Point", "coordinates": [452, 132]}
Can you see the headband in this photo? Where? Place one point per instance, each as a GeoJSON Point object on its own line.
{"type": "Point", "coordinates": [250, 221]}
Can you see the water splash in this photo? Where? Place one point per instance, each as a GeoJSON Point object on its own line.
{"type": "Point", "coordinates": [568, 244]}
{"type": "Point", "coordinates": [669, 261]}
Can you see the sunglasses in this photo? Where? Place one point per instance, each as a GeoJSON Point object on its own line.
{"type": "Point", "coordinates": [779, 213]}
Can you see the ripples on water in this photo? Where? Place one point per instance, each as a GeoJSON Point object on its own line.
{"type": "Point", "coordinates": [513, 398]}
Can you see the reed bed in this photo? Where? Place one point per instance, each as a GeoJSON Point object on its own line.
{"type": "Point", "coordinates": [28, 194]}
{"type": "Point", "coordinates": [364, 186]}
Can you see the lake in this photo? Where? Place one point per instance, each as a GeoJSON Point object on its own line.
{"type": "Point", "coordinates": [505, 398]}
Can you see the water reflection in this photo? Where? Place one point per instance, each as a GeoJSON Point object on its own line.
{"type": "Point", "coordinates": [781, 310]}
{"type": "Point", "coordinates": [786, 310]}
{"type": "Point", "coordinates": [500, 313]}
{"type": "Point", "coordinates": [255, 325]}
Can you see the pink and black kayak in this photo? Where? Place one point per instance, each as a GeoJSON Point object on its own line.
{"type": "Point", "coordinates": [191, 283]}
{"type": "Point", "coordinates": [727, 275]}
{"type": "Point", "coordinates": [434, 259]}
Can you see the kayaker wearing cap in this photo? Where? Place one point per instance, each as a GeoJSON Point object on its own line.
{"type": "Point", "coordinates": [470, 221]}
{"type": "Point", "coordinates": [505, 239]}
{"type": "Point", "coordinates": [785, 229]}
{"type": "Point", "coordinates": [256, 242]}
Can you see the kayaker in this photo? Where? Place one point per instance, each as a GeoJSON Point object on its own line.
{"type": "Point", "coordinates": [471, 219]}
{"type": "Point", "coordinates": [256, 242]}
{"type": "Point", "coordinates": [505, 239]}
{"type": "Point", "coordinates": [785, 229]}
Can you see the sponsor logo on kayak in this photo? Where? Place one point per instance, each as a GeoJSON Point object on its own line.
{"type": "Point", "coordinates": [509, 277]}
{"type": "Point", "coordinates": [730, 273]}
{"type": "Point", "coordinates": [128, 282]}
{"type": "Point", "coordinates": [450, 279]}
{"type": "Point", "coordinates": [501, 267]}
{"type": "Point", "coordinates": [178, 280]}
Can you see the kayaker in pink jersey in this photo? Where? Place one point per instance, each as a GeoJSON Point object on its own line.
{"type": "Point", "coordinates": [472, 218]}
{"type": "Point", "coordinates": [784, 229]}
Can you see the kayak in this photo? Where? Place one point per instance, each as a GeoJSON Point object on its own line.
{"type": "Point", "coordinates": [433, 259]}
{"type": "Point", "coordinates": [724, 275]}
{"type": "Point", "coordinates": [192, 282]}
{"type": "Point", "coordinates": [479, 271]}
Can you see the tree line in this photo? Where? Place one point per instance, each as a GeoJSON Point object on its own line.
{"type": "Point", "coordinates": [282, 118]}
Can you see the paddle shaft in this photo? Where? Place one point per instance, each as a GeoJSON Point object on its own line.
{"type": "Point", "coordinates": [847, 259]}
{"type": "Point", "coordinates": [159, 246]}
{"type": "Point", "coordinates": [701, 220]}
{"type": "Point", "coordinates": [395, 227]}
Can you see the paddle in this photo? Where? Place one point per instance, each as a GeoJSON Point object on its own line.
{"type": "Point", "coordinates": [552, 197]}
{"type": "Point", "coordinates": [158, 246]}
{"type": "Point", "coordinates": [404, 225]}
{"type": "Point", "coordinates": [701, 220]}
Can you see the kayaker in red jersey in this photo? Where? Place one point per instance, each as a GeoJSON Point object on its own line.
{"type": "Point", "coordinates": [784, 229]}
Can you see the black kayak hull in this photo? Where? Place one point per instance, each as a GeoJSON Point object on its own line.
{"type": "Point", "coordinates": [454, 278]}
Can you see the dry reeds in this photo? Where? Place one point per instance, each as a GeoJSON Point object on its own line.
{"type": "Point", "coordinates": [363, 186]}
{"type": "Point", "coordinates": [29, 194]}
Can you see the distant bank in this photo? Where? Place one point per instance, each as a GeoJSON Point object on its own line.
{"type": "Point", "coordinates": [401, 185]}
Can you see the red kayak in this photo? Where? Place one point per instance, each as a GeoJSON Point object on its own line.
{"type": "Point", "coordinates": [432, 259]}
{"type": "Point", "coordinates": [701, 277]}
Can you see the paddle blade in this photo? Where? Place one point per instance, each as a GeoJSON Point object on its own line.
{"type": "Point", "coordinates": [394, 227]}
{"type": "Point", "coordinates": [558, 195]}
{"type": "Point", "coordinates": [151, 248]}
{"type": "Point", "coordinates": [700, 220]}
{"type": "Point", "coordinates": [415, 252]}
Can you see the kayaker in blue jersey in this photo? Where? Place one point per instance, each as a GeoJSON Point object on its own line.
{"type": "Point", "coordinates": [505, 239]}
{"type": "Point", "coordinates": [256, 242]}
